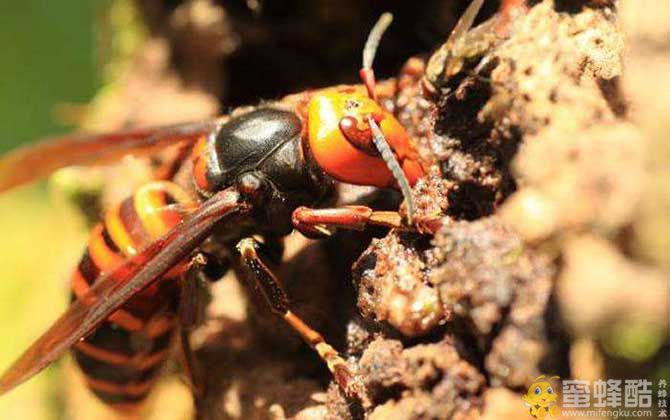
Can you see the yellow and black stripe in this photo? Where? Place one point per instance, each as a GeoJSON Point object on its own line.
{"type": "Point", "coordinates": [121, 359]}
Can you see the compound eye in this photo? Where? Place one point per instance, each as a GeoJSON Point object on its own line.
{"type": "Point", "coordinates": [358, 134]}
{"type": "Point", "coordinates": [538, 391]}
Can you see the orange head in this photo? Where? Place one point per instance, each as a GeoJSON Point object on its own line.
{"type": "Point", "coordinates": [341, 139]}
{"type": "Point", "coordinates": [355, 140]}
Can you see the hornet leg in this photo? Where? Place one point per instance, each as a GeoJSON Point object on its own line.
{"type": "Point", "coordinates": [190, 315]}
{"type": "Point", "coordinates": [192, 369]}
{"type": "Point", "coordinates": [320, 222]}
{"type": "Point", "coordinates": [279, 303]}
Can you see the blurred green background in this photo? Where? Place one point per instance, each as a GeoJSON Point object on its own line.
{"type": "Point", "coordinates": [47, 58]}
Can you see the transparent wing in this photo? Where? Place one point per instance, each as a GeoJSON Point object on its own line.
{"type": "Point", "coordinates": [32, 162]}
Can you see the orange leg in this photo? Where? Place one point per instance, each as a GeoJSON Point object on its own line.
{"type": "Point", "coordinates": [279, 302]}
{"type": "Point", "coordinates": [321, 222]}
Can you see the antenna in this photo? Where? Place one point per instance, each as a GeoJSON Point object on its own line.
{"type": "Point", "coordinates": [368, 76]}
{"type": "Point", "coordinates": [370, 50]}
{"type": "Point", "coordinates": [385, 150]}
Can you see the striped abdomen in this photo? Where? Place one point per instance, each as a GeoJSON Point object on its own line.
{"type": "Point", "coordinates": [121, 359]}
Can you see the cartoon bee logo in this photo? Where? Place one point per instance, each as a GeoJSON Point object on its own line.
{"type": "Point", "coordinates": [541, 398]}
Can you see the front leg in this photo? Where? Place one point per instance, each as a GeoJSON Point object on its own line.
{"type": "Point", "coordinates": [321, 222]}
{"type": "Point", "coordinates": [279, 303]}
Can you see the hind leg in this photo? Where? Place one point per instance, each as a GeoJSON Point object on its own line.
{"type": "Point", "coordinates": [271, 289]}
